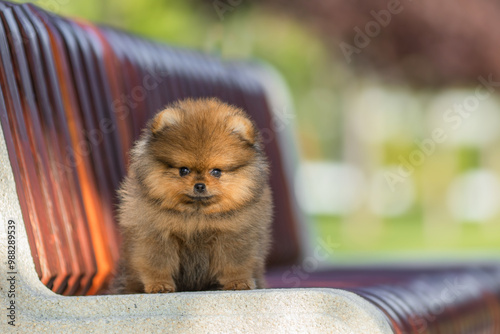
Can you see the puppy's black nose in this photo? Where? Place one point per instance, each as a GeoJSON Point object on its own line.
{"type": "Point", "coordinates": [199, 187]}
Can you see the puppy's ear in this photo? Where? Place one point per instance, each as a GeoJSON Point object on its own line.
{"type": "Point", "coordinates": [243, 127]}
{"type": "Point", "coordinates": [165, 118]}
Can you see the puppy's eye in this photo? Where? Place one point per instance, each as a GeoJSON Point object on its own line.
{"type": "Point", "coordinates": [183, 171]}
{"type": "Point", "coordinates": [216, 172]}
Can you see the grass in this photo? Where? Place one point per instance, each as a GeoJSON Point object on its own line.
{"type": "Point", "coordinates": [407, 237]}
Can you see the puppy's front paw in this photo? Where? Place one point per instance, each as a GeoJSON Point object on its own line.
{"type": "Point", "coordinates": [240, 285]}
{"type": "Point", "coordinates": [158, 288]}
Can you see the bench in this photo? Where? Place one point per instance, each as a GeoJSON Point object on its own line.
{"type": "Point", "coordinates": [74, 97]}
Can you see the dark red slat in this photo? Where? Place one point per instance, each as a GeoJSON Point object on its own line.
{"type": "Point", "coordinates": [92, 54]}
{"type": "Point", "coordinates": [54, 137]}
{"type": "Point", "coordinates": [42, 149]}
{"type": "Point", "coordinates": [104, 177]}
{"type": "Point", "coordinates": [38, 225]}
{"type": "Point", "coordinates": [80, 158]}
{"type": "Point", "coordinates": [14, 159]}
{"type": "Point", "coordinates": [113, 75]}
{"type": "Point", "coordinates": [54, 111]}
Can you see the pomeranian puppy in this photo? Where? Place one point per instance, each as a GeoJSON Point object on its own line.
{"type": "Point", "coordinates": [196, 207]}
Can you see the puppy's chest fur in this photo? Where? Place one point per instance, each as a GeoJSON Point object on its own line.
{"type": "Point", "coordinates": [197, 262]}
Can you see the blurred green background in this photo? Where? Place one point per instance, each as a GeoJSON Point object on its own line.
{"type": "Point", "coordinates": [372, 178]}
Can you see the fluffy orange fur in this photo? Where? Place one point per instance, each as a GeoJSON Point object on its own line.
{"type": "Point", "coordinates": [196, 206]}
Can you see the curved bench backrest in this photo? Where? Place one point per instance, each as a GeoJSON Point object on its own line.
{"type": "Point", "coordinates": [74, 98]}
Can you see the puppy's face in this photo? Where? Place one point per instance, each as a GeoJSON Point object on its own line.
{"type": "Point", "coordinates": [202, 156]}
